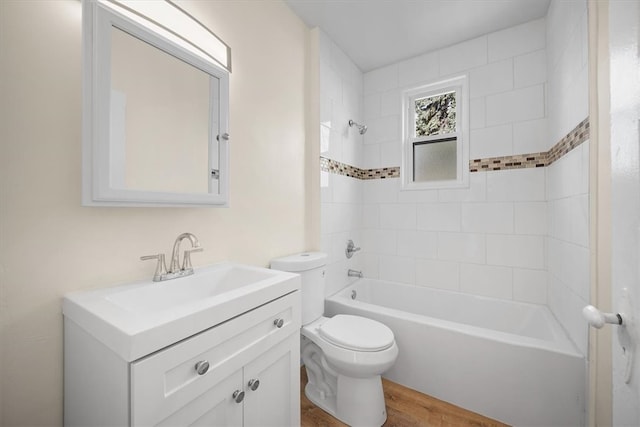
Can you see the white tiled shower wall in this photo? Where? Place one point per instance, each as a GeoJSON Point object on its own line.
{"type": "Point", "coordinates": [518, 234]}
{"type": "Point", "coordinates": [568, 178]}
{"type": "Point", "coordinates": [488, 239]}
{"type": "Point", "coordinates": [507, 76]}
{"type": "Point", "coordinates": [341, 197]}
{"type": "Point", "coordinates": [340, 100]}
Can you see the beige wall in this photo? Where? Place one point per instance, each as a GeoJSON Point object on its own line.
{"type": "Point", "coordinates": [50, 245]}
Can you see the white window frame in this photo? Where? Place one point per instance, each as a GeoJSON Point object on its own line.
{"type": "Point", "coordinates": [461, 87]}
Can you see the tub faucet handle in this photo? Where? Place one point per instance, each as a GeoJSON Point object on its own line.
{"type": "Point", "coordinates": [351, 249]}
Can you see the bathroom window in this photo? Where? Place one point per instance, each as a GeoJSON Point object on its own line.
{"type": "Point", "coordinates": [435, 146]}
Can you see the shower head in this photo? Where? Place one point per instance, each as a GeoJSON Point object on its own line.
{"type": "Point", "coordinates": [362, 129]}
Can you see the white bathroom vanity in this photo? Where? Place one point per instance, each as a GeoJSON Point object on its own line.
{"type": "Point", "coordinates": [220, 347]}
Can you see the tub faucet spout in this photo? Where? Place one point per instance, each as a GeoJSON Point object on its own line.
{"type": "Point", "coordinates": [354, 273]}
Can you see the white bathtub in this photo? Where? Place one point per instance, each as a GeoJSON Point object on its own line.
{"type": "Point", "coordinates": [507, 360]}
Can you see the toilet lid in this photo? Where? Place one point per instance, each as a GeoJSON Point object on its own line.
{"type": "Point", "coordinates": [356, 333]}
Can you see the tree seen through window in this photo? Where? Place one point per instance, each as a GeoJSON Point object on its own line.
{"type": "Point", "coordinates": [436, 115]}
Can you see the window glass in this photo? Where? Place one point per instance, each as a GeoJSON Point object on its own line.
{"type": "Point", "coordinates": [435, 148]}
{"type": "Point", "coordinates": [435, 115]}
{"type": "Point", "coordinates": [435, 160]}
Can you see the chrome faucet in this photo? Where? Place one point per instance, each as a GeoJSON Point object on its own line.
{"type": "Point", "coordinates": [354, 273]}
{"type": "Point", "coordinates": [175, 270]}
{"type": "Point", "coordinates": [186, 261]}
{"type": "Point", "coordinates": [351, 249]}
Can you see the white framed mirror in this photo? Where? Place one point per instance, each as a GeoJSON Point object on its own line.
{"type": "Point", "coordinates": [155, 112]}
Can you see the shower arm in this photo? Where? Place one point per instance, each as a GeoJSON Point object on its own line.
{"type": "Point", "coordinates": [362, 129]}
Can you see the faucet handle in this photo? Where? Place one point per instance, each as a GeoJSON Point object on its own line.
{"type": "Point", "coordinates": [186, 259]}
{"type": "Point", "coordinates": [161, 267]}
{"type": "Point", "coordinates": [351, 249]}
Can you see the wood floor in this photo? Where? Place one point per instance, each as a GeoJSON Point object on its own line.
{"type": "Point", "coordinates": [405, 408]}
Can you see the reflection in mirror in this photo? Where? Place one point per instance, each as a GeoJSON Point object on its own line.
{"type": "Point", "coordinates": [159, 119]}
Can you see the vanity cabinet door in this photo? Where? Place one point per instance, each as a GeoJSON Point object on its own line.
{"type": "Point", "coordinates": [215, 407]}
{"type": "Point", "coordinates": [276, 400]}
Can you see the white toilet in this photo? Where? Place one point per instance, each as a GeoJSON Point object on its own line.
{"type": "Point", "coordinates": [344, 355]}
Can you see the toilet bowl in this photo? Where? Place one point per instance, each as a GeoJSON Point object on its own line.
{"type": "Point", "coordinates": [344, 355]}
{"type": "Point", "coordinates": [344, 374]}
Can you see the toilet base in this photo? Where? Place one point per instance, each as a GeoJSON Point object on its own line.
{"type": "Point", "coordinates": [358, 401]}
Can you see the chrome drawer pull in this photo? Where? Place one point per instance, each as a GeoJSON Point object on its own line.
{"type": "Point", "coordinates": [202, 367]}
{"type": "Point", "coordinates": [238, 396]}
{"type": "Point", "coordinates": [254, 384]}
{"type": "Point", "coordinates": [278, 323]}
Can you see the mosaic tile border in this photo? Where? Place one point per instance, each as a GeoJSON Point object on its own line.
{"type": "Point", "coordinates": [382, 173]}
{"type": "Point", "coordinates": [574, 138]}
{"type": "Point", "coordinates": [577, 136]}
{"type": "Point", "coordinates": [522, 161]}
{"type": "Point", "coordinates": [339, 168]}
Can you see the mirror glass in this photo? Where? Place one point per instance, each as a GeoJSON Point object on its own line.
{"type": "Point", "coordinates": [160, 119]}
{"type": "Point", "coordinates": [155, 111]}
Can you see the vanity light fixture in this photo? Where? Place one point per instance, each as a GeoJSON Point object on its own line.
{"type": "Point", "coordinates": [176, 25]}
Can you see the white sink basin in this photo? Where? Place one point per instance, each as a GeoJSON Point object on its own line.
{"type": "Point", "coordinates": [136, 319]}
{"type": "Point", "coordinates": [161, 296]}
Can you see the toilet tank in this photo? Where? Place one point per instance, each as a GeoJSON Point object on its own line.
{"type": "Point", "coordinates": [311, 267]}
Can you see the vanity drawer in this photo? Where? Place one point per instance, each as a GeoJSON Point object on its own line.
{"type": "Point", "coordinates": [165, 381]}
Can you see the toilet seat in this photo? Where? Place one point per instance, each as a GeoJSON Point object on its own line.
{"type": "Point", "coordinates": [353, 363]}
{"type": "Point", "coordinates": [356, 333]}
